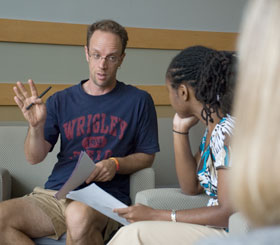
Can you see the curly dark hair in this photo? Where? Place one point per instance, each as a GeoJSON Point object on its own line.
{"type": "Point", "coordinates": [108, 26]}
{"type": "Point", "coordinates": [210, 73]}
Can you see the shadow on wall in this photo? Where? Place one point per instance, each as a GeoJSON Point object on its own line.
{"type": "Point", "coordinates": [164, 164]}
{"type": "Point", "coordinates": [24, 176]}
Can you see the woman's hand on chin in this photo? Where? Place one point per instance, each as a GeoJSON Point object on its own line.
{"type": "Point", "coordinates": [184, 124]}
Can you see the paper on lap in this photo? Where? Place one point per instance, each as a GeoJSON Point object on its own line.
{"type": "Point", "coordinates": [100, 200]}
{"type": "Point", "coordinates": [82, 171]}
{"type": "Point", "coordinates": [91, 195]}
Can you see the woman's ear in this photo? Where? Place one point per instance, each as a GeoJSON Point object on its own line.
{"type": "Point", "coordinates": [183, 92]}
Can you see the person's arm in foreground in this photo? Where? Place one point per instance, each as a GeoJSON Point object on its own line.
{"type": "Point", "coordinates": [213, 216]}
{"type": "Point", "coordinates": [35, 147]}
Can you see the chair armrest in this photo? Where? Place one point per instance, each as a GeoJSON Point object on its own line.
{"type": "Point", "coordinates": [141, 180]}
{"type": "Point", "coordinates": [173, 198]}
{"type": "Point", "coordinates": [5, 184]}
{"type": "Point", "coordinates": [238, 224]}
{"type": "Point", "coordinates": [170, 198]}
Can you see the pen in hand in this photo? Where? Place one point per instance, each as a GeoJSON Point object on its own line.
{"type": "Point", "coordinates": [40, 96]}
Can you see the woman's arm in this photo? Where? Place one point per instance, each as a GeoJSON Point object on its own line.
{"type": "Point", "coordinates": [213, 216]}
{"type": "Point", "coordinates": [185, 162]}
{"type": "Point", "coordinates": [186, 165]}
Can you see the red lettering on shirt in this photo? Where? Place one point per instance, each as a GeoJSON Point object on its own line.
{"type": "Point", "coordinates": [80, 126]}
{"type": "Point", "coordinates": [89, 116]}
{"type": "Point", "coordinates": [69, 129]}
{"type": "Point", "coordinates": [104, 130]}
{"type": "Point", "coordinates": [108, 154]}
{"type": "Point", "coordinates": [98, 157]}
{"type": "Point", "coordinates": [92, 124]}
{"type": "Point", "coordinates": [96, 123]}
{"type": "Point", "coordinates": [113, 130]}
{"type": "Point", "coordinates": [94, 142]}
{"type": "Point", "coordinates": [123, 125]}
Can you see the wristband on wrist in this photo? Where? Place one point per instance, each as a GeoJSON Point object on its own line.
{"type": "Point", "coordinates": [177, 132]}
{"type": "Point", "coordinates": [173, 215]}
{"type": "Point", "coordinates": [116, 162]}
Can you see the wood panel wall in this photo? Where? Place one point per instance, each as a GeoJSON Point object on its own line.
{"type": "Point", "coordinates": [158, 92]}
{"type": "Point", "coordinates": [23, 31]}
{"type": "Point", "coordinates": [146, 38]}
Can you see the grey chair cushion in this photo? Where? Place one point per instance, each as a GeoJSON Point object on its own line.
{"type": "Point", "coordinates": [141, 180]}
{"type": "Point", "coordinates": [170, 198]}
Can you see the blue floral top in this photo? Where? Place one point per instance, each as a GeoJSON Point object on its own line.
{"type": "Point", "coordinates": [214, 156]}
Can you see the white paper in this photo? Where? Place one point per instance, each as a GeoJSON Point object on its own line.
{"type": "Point", "coordinates": [100, 200]}
{"type": "Point", "coordinates": [82, 171]}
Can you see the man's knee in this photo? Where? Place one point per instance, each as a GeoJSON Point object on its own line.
{"type": "Point", "coordinates": [76, 213]}
{"type": "Point", "coordinates": [10, 216]}
{"type": "Point", "coordinates": [82, 219]}
{"type": "Point", "coordinates": [6, 214]}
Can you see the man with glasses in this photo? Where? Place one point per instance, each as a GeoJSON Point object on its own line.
{"type": "Point", "coordinates": [113, 122]}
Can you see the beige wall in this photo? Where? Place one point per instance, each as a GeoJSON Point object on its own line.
{"type": "Point", "coordinates": [198, 22]}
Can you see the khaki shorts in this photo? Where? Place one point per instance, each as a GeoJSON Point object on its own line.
{"type": "Point", "coordinates": [55, 209]}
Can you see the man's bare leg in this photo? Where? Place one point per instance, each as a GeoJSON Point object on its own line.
{"type": "Point", "coordinates": [84, 224]}
{"type": "Point", "coordinates": [20, 219]}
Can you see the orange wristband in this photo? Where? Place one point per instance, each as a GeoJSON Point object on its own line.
{"type": "Point", "coordinates": [116, 162]}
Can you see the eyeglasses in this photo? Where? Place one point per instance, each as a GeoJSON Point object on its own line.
{"type": "Point", "coordinates": [112, 59]}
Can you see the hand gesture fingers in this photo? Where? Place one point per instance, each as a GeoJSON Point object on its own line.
{"type": "Point", "coordinates": [21, 94]}
{"type": "Point", "coordinates": [33, 89]}
{"type": "Point", "coordinates": [37, 114]}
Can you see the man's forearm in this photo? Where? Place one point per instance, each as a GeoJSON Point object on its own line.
{"type": "Point", "coordinates": [35, 146]}
{"type": "Point", "coordinates": [134, 162]}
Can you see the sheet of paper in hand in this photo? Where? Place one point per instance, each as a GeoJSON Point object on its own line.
{"type": "Point", "coordinates": [82, 171]}
{"type": "Point", "coordinates": [100, 200]}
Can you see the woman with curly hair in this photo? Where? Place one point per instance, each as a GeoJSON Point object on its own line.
{"type": "Point", "coordinates": [200, 84]}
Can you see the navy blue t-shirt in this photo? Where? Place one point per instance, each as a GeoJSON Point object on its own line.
{"type": "Point", "coordinates": [117, 124]}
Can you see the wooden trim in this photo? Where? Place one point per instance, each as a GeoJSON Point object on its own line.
{"type": "Point", "coordinates": [158, 92]}
{"type": "Point", "coordinates": [25, 31]}
{"type": "Point", "coordinates": [180, 39]}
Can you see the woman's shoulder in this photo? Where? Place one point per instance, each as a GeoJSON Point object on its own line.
{"type": "Point", "coordinates": [223, 130]}
{"type": "Point", "coordinates": [226, 125]}
{"type": "Point", "coordinates": [220, 138]}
